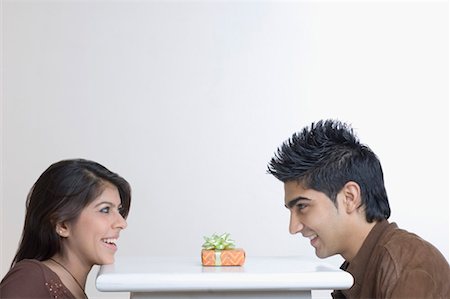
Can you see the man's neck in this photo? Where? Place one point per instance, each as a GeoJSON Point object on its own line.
{"type": "Point", "coordinates": [357, 239]}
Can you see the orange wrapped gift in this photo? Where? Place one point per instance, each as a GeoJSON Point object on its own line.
{"type": "Point", "coordinates": [228, 257]}
{"type": "Point", "coordinates": [219, 251]}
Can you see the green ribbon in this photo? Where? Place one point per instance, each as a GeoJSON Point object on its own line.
{"type": "Point", "coordinates": [218, 242]}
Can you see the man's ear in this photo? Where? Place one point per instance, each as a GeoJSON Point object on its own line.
{"type": "Point", "coordinates": [62, 230]}
{"type": "Point", "coordinates": [351, 196]}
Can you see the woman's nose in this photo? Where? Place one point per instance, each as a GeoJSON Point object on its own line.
{"type": "Point", "coordinates": [121, 222]}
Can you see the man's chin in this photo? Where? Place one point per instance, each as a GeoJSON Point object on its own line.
{"type": "Point", "coordinates": [323, 255]}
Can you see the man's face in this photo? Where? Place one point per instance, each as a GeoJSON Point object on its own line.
{"type": "Point", "coordinates": [317, 218]}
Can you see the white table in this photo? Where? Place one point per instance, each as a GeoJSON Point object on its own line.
{"type": "Point", "coordinates": [185, 277]}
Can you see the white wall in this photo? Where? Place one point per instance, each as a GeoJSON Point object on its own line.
{"type": "Point", "coordinates": [189, 100]}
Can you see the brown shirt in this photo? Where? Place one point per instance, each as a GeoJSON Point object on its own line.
{"type": "Point", "coordinates": [393, 263]}
{"type": "Point", "coordinates": [32, 279]}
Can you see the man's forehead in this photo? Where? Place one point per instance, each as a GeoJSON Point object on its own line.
{"type": "Point", "coordinates": [294, 187]}
{"type": "Point", "coordinates": [293, 190]}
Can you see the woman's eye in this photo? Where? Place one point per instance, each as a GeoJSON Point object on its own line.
{"type": "Point", "coordinates": [105, 210]}
{"type": "Point", "coordinates": [121, 210]}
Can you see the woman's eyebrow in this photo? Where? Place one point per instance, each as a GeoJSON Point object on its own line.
{"type": "Point", "coordinates": [105, 202]}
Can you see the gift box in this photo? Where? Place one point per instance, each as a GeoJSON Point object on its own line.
{"type": "Point", "coordinates": [227, 257]}
{"type": "Point", "coordinates": [219, 250]}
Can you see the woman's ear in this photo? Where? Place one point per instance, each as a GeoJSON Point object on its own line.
{"type": "Point", "coordinates": [352, 196]}
{"type": "Point", "coordinates": [62, 229]}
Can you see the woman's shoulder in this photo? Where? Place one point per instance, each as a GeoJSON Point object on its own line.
{"type": "Point", "coordinates": [31, 264]}
{"type": "Point", "coordinates": [33, 278]}
{"type": "Point", "coordinates": [30, 268]}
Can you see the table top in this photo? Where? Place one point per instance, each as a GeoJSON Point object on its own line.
{"type": "Point", "coordinates": [160, 274]}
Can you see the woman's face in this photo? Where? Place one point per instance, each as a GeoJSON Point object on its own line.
{"type": "Point", "coordinates": [91, 239]}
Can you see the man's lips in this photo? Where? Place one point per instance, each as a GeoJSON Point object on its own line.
{"type": "Point", "coordinates": [311, 236]}
{"type": "Point", "coordinates": [313, 239]}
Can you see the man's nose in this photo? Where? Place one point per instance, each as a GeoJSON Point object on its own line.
{"type": "Point", "coordinates": [295, 224]}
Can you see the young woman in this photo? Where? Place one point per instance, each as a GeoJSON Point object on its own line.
{"type": "Point", "coordinates": [75, 213]}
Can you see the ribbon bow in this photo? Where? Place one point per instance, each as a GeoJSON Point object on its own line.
{"type": "Point", "coordinates": [217, 242]}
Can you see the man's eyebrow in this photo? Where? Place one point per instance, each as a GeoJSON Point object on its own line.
{"type": "Point", "coordinates": [294, 201]}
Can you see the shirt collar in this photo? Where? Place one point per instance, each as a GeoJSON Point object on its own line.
{"type": "Point", "coordinates": [358, 265]}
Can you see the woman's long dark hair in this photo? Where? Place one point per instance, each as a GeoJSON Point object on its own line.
{"type": "Point", "coordinates": [59, 195]}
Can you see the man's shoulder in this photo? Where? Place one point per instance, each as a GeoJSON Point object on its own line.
{"type": "Point", "coordinates": [407, 249]}
{"type": "Point", "coordinates": [397, 239]}
{"type": "Point", "coordinates": [407, 266]}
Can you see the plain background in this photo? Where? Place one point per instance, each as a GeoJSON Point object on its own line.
{"type": "Point", "coordinates": [189, 101]}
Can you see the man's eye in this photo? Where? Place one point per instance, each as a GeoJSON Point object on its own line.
{"type": "Point", "coordinates": [301, 206]}
{"type": "Point", "coordinates": [105, 210]}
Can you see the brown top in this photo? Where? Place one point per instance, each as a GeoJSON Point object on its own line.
{"type": "Point", "coordinates": [393, 263]}
{"type": "Point", "coordinates": [32, 279]}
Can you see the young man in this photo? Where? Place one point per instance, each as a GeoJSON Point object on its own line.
{"type": "Point", "coordinates": [334, 189]}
